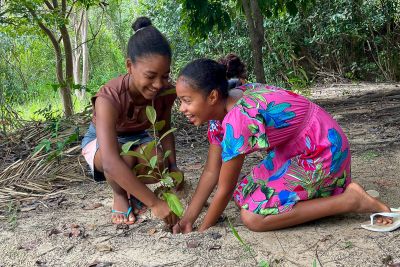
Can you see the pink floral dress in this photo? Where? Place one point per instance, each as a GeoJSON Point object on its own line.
{"type": "Point", "coordinates": [308, 155]}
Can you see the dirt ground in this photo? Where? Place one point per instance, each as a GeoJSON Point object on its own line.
{"type": "Point", "coordinates": [73, 228]}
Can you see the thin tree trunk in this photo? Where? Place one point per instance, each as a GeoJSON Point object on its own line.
{"type": "Point", "coordinates": [77, 23]}
{"type": "Point", "coordinates": [254, 20]}
{"type": "Point", "coordinates": [65, 89]}
{"type": "Point", "coordinates": [85, 53]}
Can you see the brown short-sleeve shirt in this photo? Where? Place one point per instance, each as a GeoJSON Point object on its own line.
{"type": "Point", "coordinates": [116, 91]}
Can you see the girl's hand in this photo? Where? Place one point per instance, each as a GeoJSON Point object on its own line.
{"type": "Point", "coordinates": [182, 227]}
{"type": "Point", "coordinates": [162, 211]}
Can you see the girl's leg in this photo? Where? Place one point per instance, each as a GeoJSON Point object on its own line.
{"type": "Point", "coordinates": [354, 199]}
{"type": "Point", "coordinates": [120, 200]}
{"type": "Point", "coordinates": [121, 197]}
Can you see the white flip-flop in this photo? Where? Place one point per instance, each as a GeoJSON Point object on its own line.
{"type": "Point", "coordinates": [395, 215]}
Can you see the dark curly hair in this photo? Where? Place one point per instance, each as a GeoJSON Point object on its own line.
{"type": "Point", "coordinates": [235, 68]}
{"type": "Point", "coordinates": [206, 75]}
{"type": "Point", "coordinates": [147, 40]}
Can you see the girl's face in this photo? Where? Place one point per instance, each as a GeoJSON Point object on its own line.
{"type": "Point", "coordinates": [193, 104]}
{"type": "Point", "coordinates": [149, 74]}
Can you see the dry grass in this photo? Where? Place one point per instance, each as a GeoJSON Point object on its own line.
{"type": "Point", "coordinates": [25, 176]}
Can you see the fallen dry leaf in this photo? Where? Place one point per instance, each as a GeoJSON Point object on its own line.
{"type": "Point", "coordinates": [28, 246]}
{"type": "Point", "coordinates": [92, 206]}
{"type": "Point", "coordinates": [104, 247]}
{"type": "Point", "coordinates": [54, 231]}
{"type": "Point", "coordinates": [152, 231]}
{"type": "Point", "coordinates": [193, 243]}
{"type": "Point", "coordinates": [100, 264]}
{"type": "Point", "coordinates": [214, 247]}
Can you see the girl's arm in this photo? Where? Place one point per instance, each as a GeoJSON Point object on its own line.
{"type": "Point", "coordinates": [114, 166]}
{"type": "Point", "coordinates": [208, 181]}
{"type": "Point", "coordinates": [228, 177]}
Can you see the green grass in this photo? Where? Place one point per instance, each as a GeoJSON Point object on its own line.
{"type": "Point", "coordinates": [12, 214]}
{"type": "Point", "coordinates": [46, 104]}
{"type": "Point", "coordinates": [369, 155]}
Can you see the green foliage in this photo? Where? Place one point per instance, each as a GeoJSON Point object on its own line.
{"type": "Point", "coordinates": [201, 16]}
{"type": "Point", "coordinates": [11, 214]}
{"type": "Point", "coordinates": [305, 41]}
{"type": "Point", "coordinates": [167, 179]}
{"type": "Point", "coordinates": [54, 145]}
{"type": "Point", "coordinates": [246, 246]}
{"type": "Point", "coordinates": [174, 203]}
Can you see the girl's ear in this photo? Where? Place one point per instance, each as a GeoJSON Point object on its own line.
{"type": "Point", "coordinates": [128, 65]}
{"type": "Point", "coordinates": [213, 97]}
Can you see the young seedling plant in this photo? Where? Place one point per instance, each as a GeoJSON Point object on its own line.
{"type": "Point", "coordinates": [168, 180]}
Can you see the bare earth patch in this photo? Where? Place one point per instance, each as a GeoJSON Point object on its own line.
{"type": "Point", "coordinates": [73, 228]}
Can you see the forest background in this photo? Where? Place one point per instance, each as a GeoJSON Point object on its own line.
{"type": "Point", "coordinates": [64, 48]}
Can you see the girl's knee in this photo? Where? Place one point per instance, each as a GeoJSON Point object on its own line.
{"type": "Point", "coordinates": [251, 220]}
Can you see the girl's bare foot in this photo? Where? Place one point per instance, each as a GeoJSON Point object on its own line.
{"type": "Point", "coordinates": [121, 210]}
{"type": "Point", "coordinates": [364, 203]}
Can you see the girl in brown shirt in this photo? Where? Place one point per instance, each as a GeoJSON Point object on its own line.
{"type": "Point", "coordinates": [119, 116]}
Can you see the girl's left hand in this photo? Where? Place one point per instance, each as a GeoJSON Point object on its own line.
{"type": "Point", "coordinates": [182, 227]}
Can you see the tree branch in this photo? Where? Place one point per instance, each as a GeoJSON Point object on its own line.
{"type": "Point", "coordinates": [55, 43]}
{"type": "Point", "coordinates": [70, 10]}
{"type": "Point", "coordinates": [55, 4]}
{"type": "Point", "coordinates": [63, 6]}
{"type": "Point", "coordinates": [48, 4]}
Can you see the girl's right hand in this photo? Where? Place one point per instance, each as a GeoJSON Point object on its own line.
{"type": "Point", "coordinates": [182, 227]}
{"type": "Point", "coordinates": [162, 211]}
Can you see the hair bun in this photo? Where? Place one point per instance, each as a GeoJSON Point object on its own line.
{"type": "Point", "coordinates": [140, 23]}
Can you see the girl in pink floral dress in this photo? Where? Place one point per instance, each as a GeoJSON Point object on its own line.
{"type": "Point", "coordinates": [305, 174]}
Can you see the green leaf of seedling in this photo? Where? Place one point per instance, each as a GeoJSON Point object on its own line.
{"type": "Point", "coordinates": [263, 263]}
{"type": "Point", "coordinates": [151, 114]}
{"type": "Point", "coordinates": [153, 162]}
{"type": "Point", "coordinates": [148, 149]}
{"type": "Point", "coordinates": [167, 181]}
{"type": "Point", "coordinates": [174, 204]}
{"type": "Point", "coordinates": [140, 166]}
{"type": "Point", "coordinates": [314, 264]}
{"type": "Point", "coordinates": [159, 125]}
{"type": "Point", "coordinates": [145, 176]}
{"type": "Point", "coordinates": [177, 176]}
{"type": "Point", "coordinates": [127, 146]}
{"type": "Point", "coordinates": [167, 132]}
{"type": "Point", "coordinates": [134, 154]}
{"type": "Point", "coordinates": [167, 153]}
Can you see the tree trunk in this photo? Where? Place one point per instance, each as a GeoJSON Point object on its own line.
{"type": "Point", "coordinates": [254, 20]}
{"type": "Point", "coordinates": [85, 53]}
{"type": "Point", "coordinates": [77, 23]}
{"type": "Point", "coordinates": [65, 89]}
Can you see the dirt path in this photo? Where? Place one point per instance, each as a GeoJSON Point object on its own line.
{"type": "Point", "coordinates": [73, 228]}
